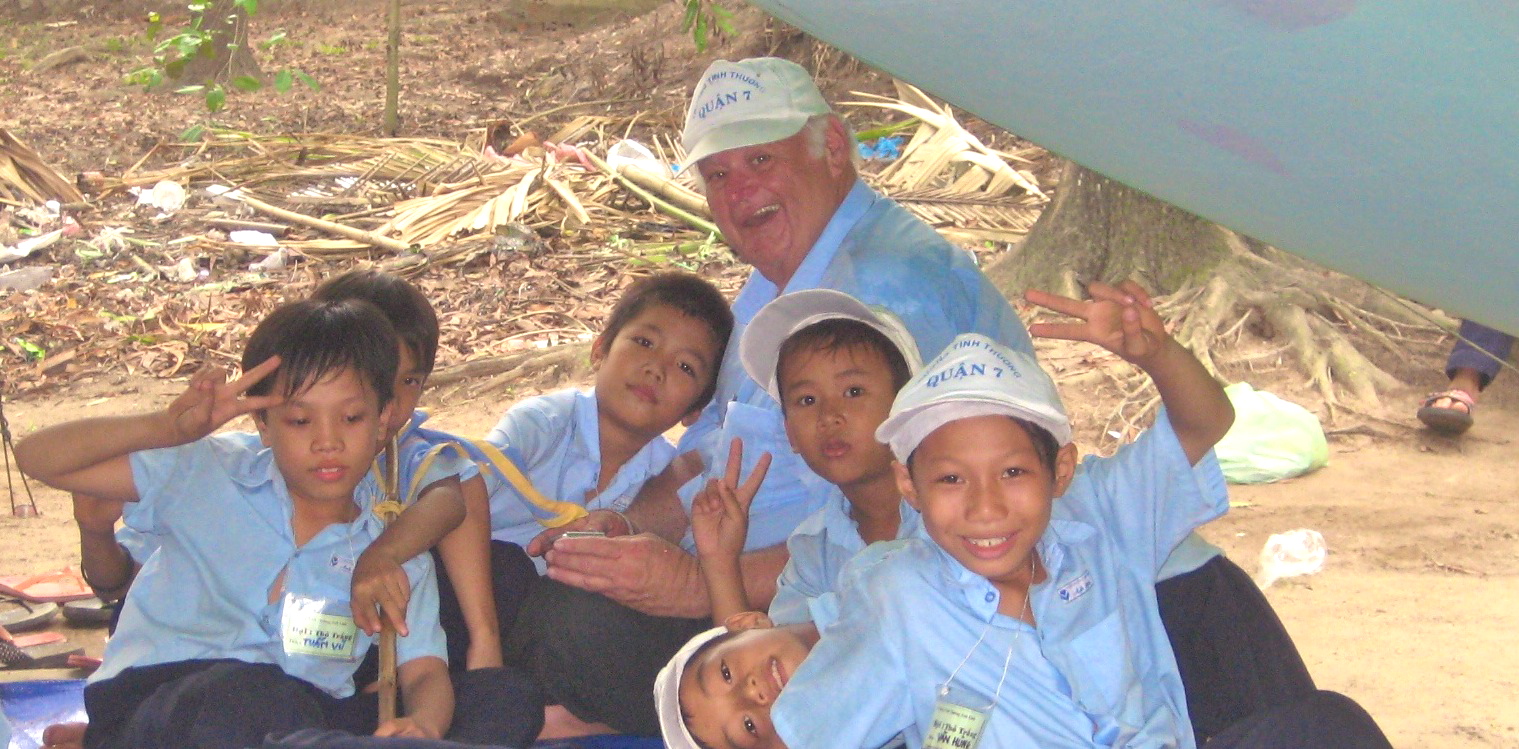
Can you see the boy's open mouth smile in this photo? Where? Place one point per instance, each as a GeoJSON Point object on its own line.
{"type": "Point", "coordinates": [329, 472]}
{"type": "Point", "coordinates": [988, 547]}
{"type": "Point", "coordinates": [777, 675]}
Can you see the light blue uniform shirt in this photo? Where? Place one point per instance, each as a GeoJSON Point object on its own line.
{"type": "Point", "coordinates": [559, 438]}
{"type": "Point", "coordinates": [1098, 671]}
{"type": "Point", "coordinates": [876, 251]}
{"type": "Point", "coordinates": [819, 548]}
{"type": "Point", "coordinates": [222, 513]}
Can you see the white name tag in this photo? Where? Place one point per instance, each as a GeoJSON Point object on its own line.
{"type": "Point", "coordinates": [306, 630]}
{"type": "Point", "coordinates": [954, 726]}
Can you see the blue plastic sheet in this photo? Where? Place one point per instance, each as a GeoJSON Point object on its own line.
{"type": "Point", "coordinates": [32, 706]}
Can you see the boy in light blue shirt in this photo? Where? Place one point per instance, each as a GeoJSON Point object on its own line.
{"type": "Point", "coordinates": [239, 625]}
{"type": "Point", "coordinates": [834, 364]}
{"type": "Point", "coordinates": [1010, 618]}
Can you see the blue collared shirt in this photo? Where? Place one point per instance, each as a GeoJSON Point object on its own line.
{"type": "Point", "coordinates": [819, 548]}
{"type": "Point", "coordinates": [222, 513]}
{"type": "Point", "coordinates": [1097, 672]}
{"type": "Point", "coordinates": [559, 438]}
{"type": "Point", "coordinates": [876, 251]}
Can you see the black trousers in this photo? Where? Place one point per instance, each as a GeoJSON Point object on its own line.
{"type": "Point", "coordinates": [316, 739]}
{"type": "Point", "coordinates": [512, 575]}
{"type": "Point", "coordinates": [599, 658]}
{"type": "Point", "coordinates": [1319, 720]}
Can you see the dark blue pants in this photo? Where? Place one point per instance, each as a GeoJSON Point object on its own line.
{"type": "Point", "coordinates": [1471, 355]}
{"type": "Point", "coordinates": [1321, 720]}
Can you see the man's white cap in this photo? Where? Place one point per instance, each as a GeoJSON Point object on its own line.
{"type": "Point", "coordinates": [667, 693]}
{"type": "Point", "coordinates": [760, 348]}
{"type": "Point", "coordinates": [974, 376]}
{"type": "Point", "coordinates": [746, 103]}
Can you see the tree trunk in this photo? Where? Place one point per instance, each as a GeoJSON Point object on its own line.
{"type": "Point", "coordinates": [1099, 230]}
{"type": "Point", "coordinates": [229, 56]}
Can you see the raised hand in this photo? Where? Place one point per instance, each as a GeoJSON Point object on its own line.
{"type": "Point", "coordinates": [211, 400]}
{"type": "Point", "coordinates": [720, 513]}
{"type": "Point", "coordinates": [1121, 319]}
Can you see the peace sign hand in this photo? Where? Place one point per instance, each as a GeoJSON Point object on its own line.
{"type": "Point", "coordinates": [211, 400]}
{"type": "Point", "coordinates": [1121, 319]}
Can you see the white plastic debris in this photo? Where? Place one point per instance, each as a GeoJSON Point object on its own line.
{"type": "Point", "coordinates": [274, 261]}
{"type": "Point", "coordinates": [27, 246]}
{"type": "Point", "coordinates": [1290, 554]}
{"type": "Point", "coordinates": [167, 196]}
{"type": "Point", "coordinates": [185, 271]}
{"type": "Point", "coordinates": [111, 238]}
{"type": "Point", "coordinates": [253, 237]}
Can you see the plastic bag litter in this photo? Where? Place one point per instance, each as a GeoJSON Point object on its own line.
{"type": "Point", "coordinates": [1290, 554]}
{"type": "Point", "coordinates": [1271, 439]}
{"type": "Point", "coordinates": [166, 196]}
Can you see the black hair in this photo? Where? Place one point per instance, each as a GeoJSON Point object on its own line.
{"type": "Point", "coordinates": [403, 304]}
{"type": "Point", "coordinates": [840, 333]}
{"type": "Point", "coordinates": [1045, 445]}
{"type": "Point", "coordinates": [314, 338]}
{"type": "Point", "coordinates": [688, 294]}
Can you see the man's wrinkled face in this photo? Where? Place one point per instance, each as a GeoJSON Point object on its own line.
{"type": "Point", "coordinates": [773, 200]}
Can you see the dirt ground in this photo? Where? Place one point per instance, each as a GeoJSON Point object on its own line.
{"type": "Point", "coordinates": [1412, 615]}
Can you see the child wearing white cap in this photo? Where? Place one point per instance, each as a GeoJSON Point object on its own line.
{"type": "Point", "coordinates": [1010, 617]}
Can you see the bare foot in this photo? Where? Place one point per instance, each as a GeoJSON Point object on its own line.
{"type": "Point", "coordinates": [64, 736]}
{"type": "Point", "coordinates": [559, 723]}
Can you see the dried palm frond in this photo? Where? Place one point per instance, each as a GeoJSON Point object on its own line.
{"type": "Point", "coordinates": [23, 174]}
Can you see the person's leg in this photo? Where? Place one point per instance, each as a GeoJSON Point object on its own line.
{"type": "Point", "coordinates": [450, 616]}
{"type": "Point", "coordinates": [1474, 362]}
{"type": "Point", "coordinates": [1234, 655]}
{"type": "Point", "coordinates": [496, 706]}
{"type": "Point", "coordinates": [594, 658]}
{"type": "Point", "coordinates": [326, 739]}
{"type": "Point", "coordinates": [111, 703]}
{"type": "Point", "coordinates": [1321, 720]}
{"type": "Point", "coordinates": [227, 705]}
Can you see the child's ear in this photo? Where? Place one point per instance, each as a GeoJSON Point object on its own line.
{"type": "Point", "coordinates": [748, 620]}
{"type": "Point", "coordinates": [1065, 467]}
{"type": "Point", "coordinates": [598, 349]}
{"type": "Point", "coordinates": [904, 485]}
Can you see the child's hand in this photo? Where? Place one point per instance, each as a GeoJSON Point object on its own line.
{"type": "Point", "coordinates": [212, 401]}
{"type": "Point", "coordinates": [407, 727]}
{"type": "Point", "coordinates": [720, 513]}
{"type": "Point", "coordinates": [97, 516]}
{"type": "Point", "coordinates": [379, 585]}
{"type": "Point", "coordinates": [1120, 319]}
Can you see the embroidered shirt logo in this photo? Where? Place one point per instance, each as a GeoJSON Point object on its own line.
{"type": "Point", "coordinates": [1076, 588]}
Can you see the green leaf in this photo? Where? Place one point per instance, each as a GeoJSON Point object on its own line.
{"type": "Point", "coordinates": [247, 83]}
{"type": "Point", "coordinates": [192, 134]}
{"type": "Point", "coordinates": [216, 98]}
{"type": "Point", "coordinates": [189, 89]}
{"type": "Point", "coordinates": [700, 33]}
{"type": "Point", "coordinates": [37, 352]}
{"type": "Point", "coordinates": [197, 7]}
{"type": "Point", "coordinates": [693, 9]}
{"type": "Point", "coordinates": [249, 6]}
{"type": "Point", "coordinates": [724, 20]}
{"type": "Point", "coordinates": [277, 38]}
{"type": "Point", "coordinates": [174, 68]}
{"type": "Point", "coordinates": [283, 80]}
{"type": "Point", "coordinates": [309, 81]}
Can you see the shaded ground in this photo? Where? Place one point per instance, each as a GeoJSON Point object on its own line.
{"type": "Point", "coordinates": [1411, 615]}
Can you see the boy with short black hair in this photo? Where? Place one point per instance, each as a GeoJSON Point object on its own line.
{"type": "Point", "coordinates": [239, 625]}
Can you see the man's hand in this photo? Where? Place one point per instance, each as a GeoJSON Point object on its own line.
{"type": "Point", "coordinates": [380, 587]}
{"type": "Point", "coordinates": [212, 400]}
{"type": "Point", "coordinates": [606, 521]}
{"type": "Point", "coordinates": [407, 727]}
{"type": "Point", "coordinates": [643, 572]}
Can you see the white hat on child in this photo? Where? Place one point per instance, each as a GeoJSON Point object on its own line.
{"type": "Point", "coordinates": [672, 723]}
{"type": "Point", "coordinates": [973, 376]}
{"type": "Point", "coordinates": [760, 348]}
{"type": "Point", "coordinates": [746, 103]}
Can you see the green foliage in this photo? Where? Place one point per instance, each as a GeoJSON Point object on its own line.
{"type": "Point", "coordinates": [172, 54]}
{"type": "Point", "coordinates": [704, 20]}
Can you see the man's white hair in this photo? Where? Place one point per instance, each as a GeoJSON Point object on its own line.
{"type": "Point", "coordinates": [815, 135]}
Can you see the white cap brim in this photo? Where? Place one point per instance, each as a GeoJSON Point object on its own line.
{"type": "Point", "coordinates": [760, 348]}
{"type": "Point", "coordinates": [672, 724]}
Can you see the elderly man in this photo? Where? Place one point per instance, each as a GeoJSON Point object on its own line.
{"type": "Point", "coordinates": [778, 168]}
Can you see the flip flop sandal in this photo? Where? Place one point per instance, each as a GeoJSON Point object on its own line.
{"type": "Point", "coordinates": [91, 612]}
{"type": "Point", "coordinates": [20, 616]}
{"type": "Point", "coordinates": [1446, 419]}
{"type": "Point", "coordinates": [55, 586]}
{"type": "Point", "coordinates": [53, 653]}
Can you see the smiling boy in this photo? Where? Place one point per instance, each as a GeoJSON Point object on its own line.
{"type": "Point", "coordinates": [238, 626]}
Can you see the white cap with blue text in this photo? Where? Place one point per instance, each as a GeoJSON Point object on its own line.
{"type": "Point", "coordinates": [746, 103]}
{"type": "Point", "coordinates": [973, 376]}
{"type": "Point", "coordinates": [760, 348]}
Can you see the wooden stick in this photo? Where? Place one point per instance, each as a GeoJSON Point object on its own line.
{"type": "Point", "coordinates": [232, 224]}
{"type": "Point", "coordinates": [660, 204]}
{"type": "Point", "coordinates": [389, 510]}
{"type": "Point", "coordinates": [358, 235]}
